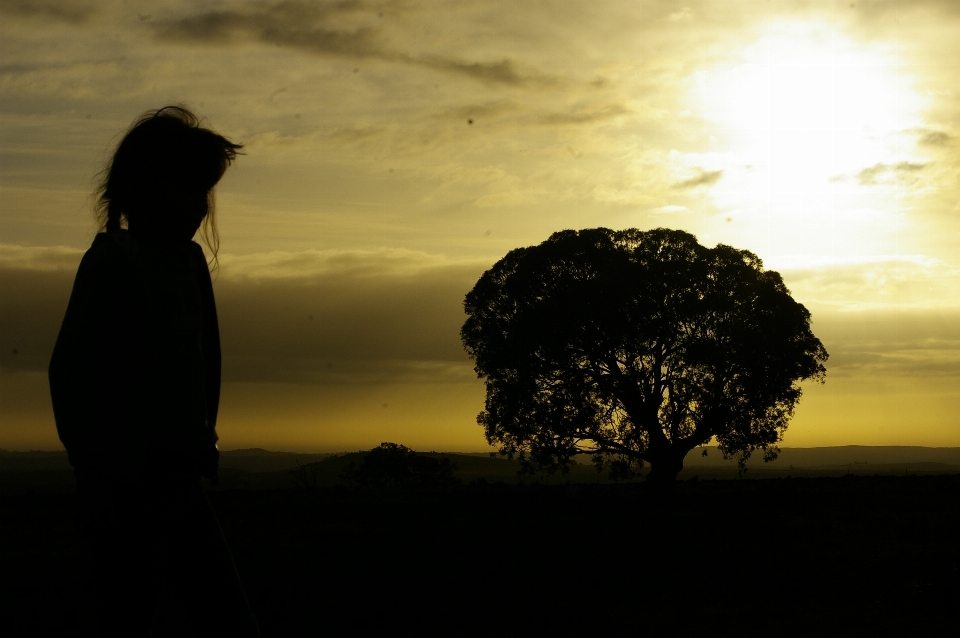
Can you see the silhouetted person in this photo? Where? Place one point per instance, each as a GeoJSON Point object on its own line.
{"type": "Point", "coordinates": [135, 383]}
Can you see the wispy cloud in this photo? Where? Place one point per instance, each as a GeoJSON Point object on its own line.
{"type": "Point", "coordinates": [874, 174]}
{"type": "Point", "coordinates": [342, 264]}
{"type": "Point", "coordinates": [48, 10]}
{"type": "Point", "coordinates": [935, 138]}
{"type": "Point", "coordinates": [583, 116]}
{"type": "Point", "coordinates": [476, 111]}
{"type": "Point", "coordinates": [296, 24]}
{"type": "Point", "coordinates": [704, 178]}
{"type": "Point", "coordinates": [503, 71]}
{"type": "Point", "coordinates": [316, 28]}
{"type": "Point", "coordinates": [891, 342]}
{"type": "Point", "coordinates": [671, 209]}
{"type": "Point", "coordinates": [39, 258]}
{"type": "Point", "coordinates": [861, 283]}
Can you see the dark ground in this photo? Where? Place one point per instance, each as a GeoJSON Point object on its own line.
{"type": "Point", "coordinates": [854, 556]}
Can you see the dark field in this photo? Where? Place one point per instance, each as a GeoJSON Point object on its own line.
{"type": "Point", "coordinates": [843, 556]}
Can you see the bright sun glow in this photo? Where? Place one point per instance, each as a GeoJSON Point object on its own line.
{"type": "Point", "coordinates": [818, 140]}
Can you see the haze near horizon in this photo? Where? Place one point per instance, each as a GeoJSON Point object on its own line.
{"type": "Point", "coordinates": [396, 150]}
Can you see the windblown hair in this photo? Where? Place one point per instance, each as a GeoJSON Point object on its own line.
{"type": "Point", "coordinates": [165, 155]}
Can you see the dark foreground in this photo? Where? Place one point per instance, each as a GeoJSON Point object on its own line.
{"type": "Point", "coordinates": [854, 556]}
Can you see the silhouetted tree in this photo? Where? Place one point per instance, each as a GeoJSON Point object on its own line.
{"type": "Point", "coordinates": [636, 347]}
{"type": "Point", "coordinates": [394, 465]}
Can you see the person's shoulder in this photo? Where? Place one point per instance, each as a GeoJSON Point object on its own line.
{"type": "Point", "coordinates": [108, 242]}
{"type": "Point", "coordinates": [196, 249]}
{"type": "Point", "coordinates": [109, 251]}
{"type": "Point", "coordinates": [197, 255]}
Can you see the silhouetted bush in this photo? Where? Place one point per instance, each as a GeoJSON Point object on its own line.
{"type": "Point", "coordinates": [392, 466]}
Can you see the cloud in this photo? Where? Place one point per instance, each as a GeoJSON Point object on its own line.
{"type": "Point", "coordinates": [819, 263]}
{"type": "Point", "coordinates": [344, 316]}
{"type": "Point", "coordinates": [476, 111]}
{"type": "Point", "coordinates": [39, 258]}
{"type": "Point", "coordinates": [515, 114]}
{"type": "Point", "coordinates": [880, 316]}
{"type": "Point", "coordinates": [48, 10]}
{"type": "Point", "coordinates": [874, 174]}
{"type": "Point", "coordinates": [705, 178]}
{"type": "Point", "coordinates": [321, 317]}
{"type": "Point", "coordinates": [318, 28]}
{"type": "Point", "coordinates": [393, 316]}
{"type": "Point", "coordinates": [352, 264]}
{"type": "Point", "coordinates": [892, 342]}
{"type": "Point", "coordinates": [286, 23]}
{"type": "Point", "coordinates": [349, 134]}
{"type": "Point", "coordinates": [32, 304]}
{"type": "Point", "coordinates": [875, 282]}
{"type": "Point", "coordinates": [583, 116]}
{"type": "Point", "coordinates": [935, 138]}
{"type": "Point", "coordinates": [503, 71]}
{"type": "Point", "coordinates": [503, 200]}
{"type": "Point", "coordinates": [895, 8]}
{"type": "Point", "coordinates": [671, 209]}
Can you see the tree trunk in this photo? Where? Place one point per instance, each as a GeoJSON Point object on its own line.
{"type": "Point", "coordinates": [663, 472]}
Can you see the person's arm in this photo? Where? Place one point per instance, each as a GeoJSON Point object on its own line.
{"type": "Point", "coordinates": [212, 362]}
{"type": "Point", "coordinates": [88, 369]}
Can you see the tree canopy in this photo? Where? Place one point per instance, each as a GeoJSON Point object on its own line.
{"type": "Point", "coordinates": [636, 347]}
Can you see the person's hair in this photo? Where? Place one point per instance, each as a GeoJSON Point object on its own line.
{"type": "Point", "coordinates": [165, 153]}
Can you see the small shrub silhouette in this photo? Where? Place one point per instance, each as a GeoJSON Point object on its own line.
{"type": "Point", "coordinates": [394, 466]}
{"type": "Point", "coordinates": [305, 476]}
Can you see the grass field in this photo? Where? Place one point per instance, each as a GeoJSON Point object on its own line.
{"type": "Point", "coordinates": [49, 472]}
{"type": "Point", "coordinates": [827, 556]}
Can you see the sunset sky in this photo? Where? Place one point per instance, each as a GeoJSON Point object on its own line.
{"type": "Point", "coordinates": [395, 150]}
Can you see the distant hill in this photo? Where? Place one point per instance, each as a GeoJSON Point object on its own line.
{"type": "Point", "coordinates": [260, 460]}
{"type": "Point", "coordinates": [469, 467]}
{"type": "Point", "coordinates": [257, 468]}
{"type": "Point", "coordinates": [250, 460]}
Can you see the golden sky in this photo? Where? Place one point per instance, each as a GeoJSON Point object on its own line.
{"type": "Point", "coordinates": [395, 150]}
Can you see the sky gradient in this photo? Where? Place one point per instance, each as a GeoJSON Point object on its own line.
{"type": "Point", "coordinates": [395, 150]}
